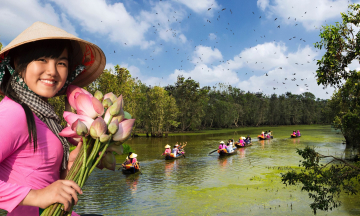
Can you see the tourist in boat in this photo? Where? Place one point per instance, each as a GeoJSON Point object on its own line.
{"type": "Point", "coordinates": [269, 133]}
{"type": "Point", "coordinates": [294, 132]}
{"type": "Point", "coordinates": [229, 147]}
{"type": "Point", "coordinates": [298, 133]}
{"type": "Point", "coordinates": [222, 145]}
{"type": "Point", "coordinates": [248, 140]}
{"type": "Point", "coordinates": [175, 150]}
{"type": "Point", "coordinates": [129, 159]}
{"type": "Point", "coordinates": [241, 141]}
{"type": "Point", "coordinates": [181, 148]}
{"type": "Point", "coordinates": [167, 150]}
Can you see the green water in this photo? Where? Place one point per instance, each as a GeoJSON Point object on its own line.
{"type": "Point", "coordinates": [247, 183]}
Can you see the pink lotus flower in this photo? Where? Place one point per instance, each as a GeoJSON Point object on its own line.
{"type": "Point", "coordinates": [124, 130]}
{"type": "Point", "coordinates": [74, 130]}
{"type": "Point", "coordinates": [89, 106]}
{"type": "Point", "coordinates": [108, 161]}
{"type": "Point", "coordinates": [71, 94]}
{"type": "Point", "coordinates": [116, 148]}
{"type": "Point", "coordinates": [98, 128]}
{"type": "Point", "coordinates": [70, 118]}
{"type": "Point", "coordinates": [111, 96]}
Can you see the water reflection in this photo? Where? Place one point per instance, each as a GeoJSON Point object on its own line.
{"type": "Point", "coordinates": [296, 140]}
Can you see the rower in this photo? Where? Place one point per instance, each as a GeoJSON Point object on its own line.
{"type": "Point", "coordinates": [167, 149]}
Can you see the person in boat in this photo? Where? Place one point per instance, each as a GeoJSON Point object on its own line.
{"type": "Point", "coordinates": [181, 148]}
{"type": "Point", "coordinates": [298, 133]}
{"type": "Point", "coordinates": [130, 159]}
{"type": "Point", "coordinates": [222, 145]}
{"type": "Point", "coordinates": [229, 147]}
{"type": "Point", "coordinates": [248, 140]}
{"type": "Point", "coordinates": [167, 150]}
{"type": "Point", "coordinates": [294, 132]}
{"type": "Point", "coordinates": [175, 150]}
{"type": "Point", "coordinates": [241, 141]}
{"type": "Point", "coordinates": [270, 133]}
{"type": "Point", "coordinates": [263, 134]}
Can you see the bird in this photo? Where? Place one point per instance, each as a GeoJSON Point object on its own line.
{"type": "Point", "coordinates": [275, 19]}
{"type": "Point", "coordinates": [278, 26]}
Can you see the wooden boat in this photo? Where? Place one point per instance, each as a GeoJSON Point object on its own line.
{"type": "Point", "coordinates": [130, 169]}
{"type": "Point", "coordinates": [239, 146]}
{"type": "Point", "coordinates": [294, 136]}
{"type": "Point", "coordinates": [223, 152]}
{"type": "Point", "coordinates": [168, 157]}
{"type": "Point", "coordinates": [260, 137]}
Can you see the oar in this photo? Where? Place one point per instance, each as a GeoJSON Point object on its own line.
{"type": "Point", "coordinates": [213, 151]}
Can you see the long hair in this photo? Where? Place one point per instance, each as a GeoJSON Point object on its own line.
{"type": "Point", "coordinates": [24, 54]}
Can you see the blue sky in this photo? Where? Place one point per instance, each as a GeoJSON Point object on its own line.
{"type": "Point", "coordinates": [256, 45]}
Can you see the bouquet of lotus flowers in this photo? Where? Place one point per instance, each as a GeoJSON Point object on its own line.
{"type": "Point", "coordinates": [103, 126]}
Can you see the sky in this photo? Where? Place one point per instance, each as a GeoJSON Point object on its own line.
{"type": "Point", "coordinates": [256, 45]}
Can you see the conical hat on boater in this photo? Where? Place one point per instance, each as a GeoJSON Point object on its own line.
{"type": "Point", "coordinates": [84, 52]}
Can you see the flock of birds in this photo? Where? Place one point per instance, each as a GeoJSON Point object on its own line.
{"type": "Point", "coordinates": [153, 63]}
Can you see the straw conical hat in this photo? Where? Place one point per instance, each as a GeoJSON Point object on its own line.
{"type": "Point", "coordinates": [167, 146]}
{"type": "Point", "coordinates": [133, 155]}
{"type": "Point", "coordinates": [81, 50]}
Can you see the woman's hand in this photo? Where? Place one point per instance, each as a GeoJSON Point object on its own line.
{"type": "Point", "coordinates": [61, 191]}
{"type": "Point", "coordinates": [72, 157]}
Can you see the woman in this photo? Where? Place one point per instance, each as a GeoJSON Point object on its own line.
{"type": "Point", "coordinates": [167, 150]}
{"type": "Point", "coordinates": [222, 145]}
{"type": "Point", "coordinates": [298, 133]}
{"type": "Point", "coordinates": [34, 160]}
{"type": "Point", "coordinates": [175, 150]}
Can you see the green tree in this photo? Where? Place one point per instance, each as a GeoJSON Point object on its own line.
{"type": "Point", "coordinates": [324, 182]}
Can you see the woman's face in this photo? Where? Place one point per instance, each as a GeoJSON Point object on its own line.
{"type": "Point", "coordinates": [46, 76]}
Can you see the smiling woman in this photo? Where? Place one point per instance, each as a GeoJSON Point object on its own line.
{"type": "Point", "coordinates": [34, 159]}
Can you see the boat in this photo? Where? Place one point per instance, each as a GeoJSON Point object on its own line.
{"type": "Point", "coordinates": [223, 152]}
{"type": "Point", "coordinates": [130, 169]}
{"type": "Point", "coordinates": [239, 146]}
{"type": "Point", "coordinates": [169, 157]}
{"type": "Point", "coordinates": [294, 136]}
{"type": "Point", "coordinates": [260, 137]}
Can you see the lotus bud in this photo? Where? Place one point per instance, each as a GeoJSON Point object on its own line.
{"type": "Point", "coordinates": [98, 95]}
{"type": "Point", "coordinates": [112, 97]}
{"type": "Point", "coordinates": [118, 118]}
{"type": "Point", "coordinates": [107, 103]}
{"type": "Point", "coordinates": [124, 131]}
{"type": "Point", "coordinates": [98, 128]}
{"type": "Point", "coordinates": [127, 115]}
{"type": "Point", "coordinates": [115, 109]}
{"type": "Point", "coordinates": [116, 148]}
{"type": "Point", "coordinates": [104, 138]}
{"type": "Point", "coordinates": [80, 128]}
{"type": "Point", "coordinates": [120, 101]}
{"type": "Point", "coordinates": [113, 126]}
{"type": "Point", "coordinates": [109, 161]}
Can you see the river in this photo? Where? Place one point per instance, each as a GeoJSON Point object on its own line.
{"type": "Point", "coordinates": [247, 183]}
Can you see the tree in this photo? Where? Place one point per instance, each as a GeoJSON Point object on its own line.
{"type": "Point", "coordinates": [342, 47]}
{"type": "Point", "coordinates": [324, 182]}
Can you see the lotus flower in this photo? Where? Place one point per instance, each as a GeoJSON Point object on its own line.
{"type": "Point", "coordinates": [70, 118]}
{"type": "Point", "coordinates": [113, 126]}
{"type": "Point", "coordinates": [116, 148]}
{"type": "Point", "coordinates": [111, 96]}
{"type": "Point", "coordinates": [71, 94]}
{"type": "Point", "coordinates": [104, 138]}
{"type": "Point", "coordinates": [98, 128]}
{"type": "Point", "coordinates": [109, 161]}
{"type": "Point", "coordinates": [98, 95]}
{"type": "Point", "coordinates": [80, 128]}
{"type": "Point", "coordinates": [124, 131]}
{"type": "Point", "coordinates": [89, 106]}
{"type": "Point", "coordinates": [107, 103]}
{"type": "Point", "coordinates": [74, 130]}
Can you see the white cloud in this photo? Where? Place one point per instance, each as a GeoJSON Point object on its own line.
{"type": "Point", "coordinates": [212, 36]}
{"type": "Point", "coordinates": [206, 55]}
{"type": "Point", "coordinates": [309, 13]}
{"type": "Point", "coordinates": [200, 6]}
{"type": "Point", "coordinates": [21, 14]}
{"type": "Point", "coordinates": [263, 4]}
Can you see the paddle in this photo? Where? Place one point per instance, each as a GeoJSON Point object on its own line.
{"type": "Point", "coordinates": [213, 151]}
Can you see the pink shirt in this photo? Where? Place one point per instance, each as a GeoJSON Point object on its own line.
{"type": "Point", "coordinates": [167, 151]}
{"type": "Point", "coordinates": [22, 169]}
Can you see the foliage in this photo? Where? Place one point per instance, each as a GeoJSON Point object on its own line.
{"type": "Point", "coordinates": [324, 182]}
{"type": "Point", "coordinates": [127, 149]}
{"type": "Point", "coordinates": [341, 42]}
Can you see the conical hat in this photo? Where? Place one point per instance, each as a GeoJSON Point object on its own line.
{"type": "Point", "coordinates": [133, 155]}
{"type": "Point", "coordinates": [83, 51]}
{"type": "Point", "coordinates": [167, 146]}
